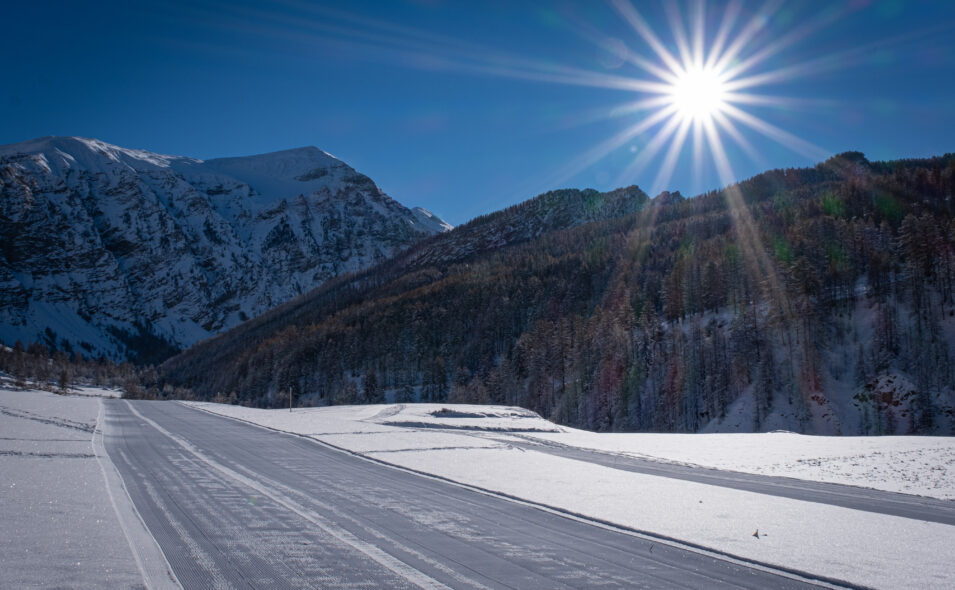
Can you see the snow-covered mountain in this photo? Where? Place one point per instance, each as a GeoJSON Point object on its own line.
{"type": "Point", "coordinates": [124, 252]}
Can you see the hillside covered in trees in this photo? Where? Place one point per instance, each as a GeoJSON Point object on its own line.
{"type": "Point", "coordinates": [818, 300]}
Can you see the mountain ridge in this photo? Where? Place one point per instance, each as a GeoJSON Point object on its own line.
{"type": "Point", "coordinates": [109, 250]}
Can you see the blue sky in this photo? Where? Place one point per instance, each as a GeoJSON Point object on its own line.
{"type": "Point", "coordinates": [467, 107]}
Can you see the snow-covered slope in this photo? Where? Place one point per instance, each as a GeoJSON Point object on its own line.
{"type": "Point", "coordinates": [114, 250]}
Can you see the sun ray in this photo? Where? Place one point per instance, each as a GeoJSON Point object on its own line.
{"type": "Point", "coordinates": [752, 28]}
{"type": "Point", "coordinates": [785, 41]}
{"type": "Point", "coordinates": [646, 155]}
{"type": "Point", "coordinates": [618, 111]}
{"type": "Point", "coordinates": [665, 174]}
{"type": "Point", "coordinates": [324, 14]}
{"type": "Point", "coordinates": [678, 28]}
{"type": "Point", "coordinates": [747, 231]}
{"type": "Point", "coordinates": [697, 151]}
{"type": "Point", "coordinates": [801, 146]}
{"type": "Point", "coordinates": [832, 60]}
{"type": "Point", "coordinates": [606, 113]}
{"type": "Point", "coordinates": [718, 153]}
{"type": "Point", "coordinates": [570, 77]}
{"type": "Point", "coordinates": [640, 105]}
{"type": "Point", "coordinates": [712, 73]}
{"type": "Point", "coordinates": [729, 20]}
{"type": "Point", "coordinates": [786, 74]}
{"type": "Point", "coordinates": [754, 251]}
{"type": "Point", "coordinates": [730, 128]}
{"type": "Point", "coordinates": [630, 14]}
{"type": "Point", "coordinates": [604, 148]}
{"type": "Point", "coordinates": [693, 92]}
{"type": "Point", "coordinates": [782, 102]}
{"type": "Point", "coordinates": [744, 53]}
{"type": "Point", "coordinates": [698, 19]}
{"type": "Point", "coordinates": [702, 87]}
{"type": "Point", "coordinates": [611, 45]}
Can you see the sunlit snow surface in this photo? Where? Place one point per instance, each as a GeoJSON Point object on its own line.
{"type": "Point", "coordinates": [469, 444]}
{"type": "Point", "coordinates": [59, 526]}
{"type": "Point", "coordinates": [920, 465]}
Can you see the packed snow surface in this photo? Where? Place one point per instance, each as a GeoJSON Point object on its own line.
{"type": "Point", "coordinates": [468, 444]}
{"type": "Point", "coordinates": [58, 517]}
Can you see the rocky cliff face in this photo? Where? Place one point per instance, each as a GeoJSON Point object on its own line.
{"type": "Point", "coordinates": [107, 250]}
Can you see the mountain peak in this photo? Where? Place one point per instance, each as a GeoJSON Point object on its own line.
{"type": "Point", "coordinates": [288, 173]}
{"type": "Point", "coordinates": [431, 221]}
{"type": "Point", "coordinates": [92, 154]}
{"type": "Point", "coordinates": [282, 164]}
{"type": "Point", "coordinates": [161, 251]}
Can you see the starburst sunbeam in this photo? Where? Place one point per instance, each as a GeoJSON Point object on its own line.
{"type": "Point", "coordinates": [669, 161]}
{"type": "Point", "coordinates": [711, 66]}
{"type": "Point", "coordinates": [699, 89]}
{"type": "Point", "coordinates": [646, 155]}
{"type": "Point", "coordinates": [733, 131]}
{"type": "Point", "coordinates": [726, 25]}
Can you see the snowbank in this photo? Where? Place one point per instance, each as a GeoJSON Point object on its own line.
{"type": "Point", "coordinates": [92, 391]}
{"type": "Point", "coordinates": [463, 417]}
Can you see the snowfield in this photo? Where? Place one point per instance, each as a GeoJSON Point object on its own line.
{"type": "Point", "coordinates": [469, 445]}
{"type": "Point", "coordinates": [66, 519]}
{"type": "Point", "coordinates": [920, 465]}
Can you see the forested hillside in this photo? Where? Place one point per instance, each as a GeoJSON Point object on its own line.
{"type": "Point", "coordinates": [817, 300]}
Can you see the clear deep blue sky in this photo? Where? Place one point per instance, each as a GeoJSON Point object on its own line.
{"type": "Point", "coordinates": [455, 106]}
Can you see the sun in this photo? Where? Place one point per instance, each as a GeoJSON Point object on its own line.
{"type": "Point", "coordinates": [701, 88]}
{"type": "Point", "coordinates": [698, 94]}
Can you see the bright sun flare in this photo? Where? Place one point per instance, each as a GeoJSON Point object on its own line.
{"type": "Point", "coordinates": [698, 94]}
{"type": "Point", "coordinates": [700, 89]}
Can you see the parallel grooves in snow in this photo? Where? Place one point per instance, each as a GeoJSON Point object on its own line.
{"type": "Point", "coordinates": [150, 560]}
{"type": "Point", "coordinates": [791, 573]}
{"type": "Point", "coordinates": [268, 489]}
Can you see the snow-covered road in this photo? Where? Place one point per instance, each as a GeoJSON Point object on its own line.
{"type": "Point", "coordinates": [434, 496]}
{"type": "Point", "coordinates": [236, 505]}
